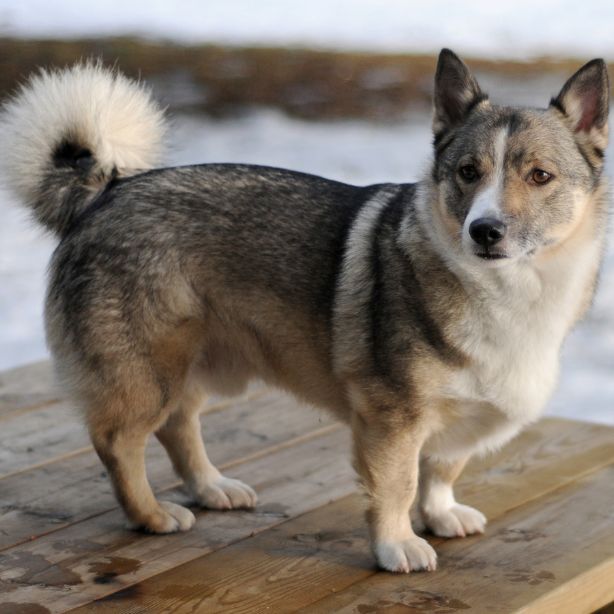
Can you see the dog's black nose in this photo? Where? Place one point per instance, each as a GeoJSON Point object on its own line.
{"type": "Point", "coordinates": [487, 231]}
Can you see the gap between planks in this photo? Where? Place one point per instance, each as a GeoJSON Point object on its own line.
{"type": "Point", "coordinates": [175, 483]}
{"type": "Point", "coordinates": [39, 382]}
{"type": "Point", "coordinates": [291, 481]}
{"type": "Point", "coordinates": [68, 431]}
{"type": "Point", "coordinates": [15, 401]}
{"type": "Point", "coordinates": [529, 555]}
{"type": "Point", "coordinates": [297, 565]}
{"type": "Point", "coordinates": [528, 467]}
{"type": "Point", "coordinates": [265, 453]}
{"type": "Point", "coordinates": [596, 585]}
{"type": "Point", "coordinates": [45, 500]}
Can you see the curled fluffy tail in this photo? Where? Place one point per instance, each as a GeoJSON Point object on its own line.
{"type": "Point", "coordinates": [65, 134]}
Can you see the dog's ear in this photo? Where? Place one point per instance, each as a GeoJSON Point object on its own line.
{"type": "Point", "coordinates": [456, 92]}
{"type": "Point", "coordinates": [584, 101]}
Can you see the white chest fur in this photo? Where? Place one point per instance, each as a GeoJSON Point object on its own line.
{"type": "Point", "coordinates": [513, 370]}
{"type": "Point", "coordinates": [512, 332]}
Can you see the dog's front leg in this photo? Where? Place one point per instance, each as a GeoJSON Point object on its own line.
{"type": "Point", "coordinates": [438, 507]}
{"type": "Point", "coordinates": [387, 454]}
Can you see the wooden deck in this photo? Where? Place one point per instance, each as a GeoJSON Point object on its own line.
{"type": "Point", "coordinates": [549, 495]}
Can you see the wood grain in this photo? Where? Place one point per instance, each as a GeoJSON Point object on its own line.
{"type": "Point", "coordinates": [50, 497]}
{"type": "Point", "coordinates": [27, 387]}
{"type": "Point", "coordinates": [532, 555]}
{"type": "Point", "coordinates": [96, 557]}
{"type": "Point", "coordinates": [327, 550]}
{"type": "Point", "coordinates": [525, 558]}
{"type": "Point", "coordinates": [56, 431]}
{"type": "Point", "coordinates": [584, 593]}
{"type": "Point", "coordinates": [548, 495]}
{"type": "Point", "coordinates": [40, 436]}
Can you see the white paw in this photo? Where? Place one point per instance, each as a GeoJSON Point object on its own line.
{"type": "Point", "coordinates": [407, 555]}
{"type": "Point", "coordinates": [227, 494]}
{"type": "Point", "coordinates": [458, 521]}
{"type": "Point", "coordinates": [168, 518]}
{"type": "Point", "coordinates": [182, 516]}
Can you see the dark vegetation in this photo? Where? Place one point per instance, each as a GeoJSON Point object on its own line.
{"type": "Point", "coordinates": [223, 80]}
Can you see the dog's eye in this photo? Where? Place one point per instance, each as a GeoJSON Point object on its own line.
{"type": "Point", "coordinates": [540, 177]}
{"type": "Point", "coordinates": [468, 173]}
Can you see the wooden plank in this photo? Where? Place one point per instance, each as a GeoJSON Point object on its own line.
{"type": "Point", "coordinates": [95, 558]}
{"type": "Point", "coordinates": [33, 386]}
{"type": "Point", "coordinates": [279, 570]}
{"type": "Point", "coordinates": [41, 435]}
{"type": "Point", "coordinates": [544, 457]}
{"type": "Point", "coordinates": [535, 554]}
{"type": "Point", "coordinates": [554, 437]}
{"type": "Point", "coordinates": [327, 550]}
{"type": "Point", "coordinates": [50, 497]}
{"type": "Point", "coordinates": [54, 431]}
{"type": "Point", "coordinates": [527, 553]}
{"type": "Point", "coordinates": [27, 387]}
{"type": "Point", "coordinates": [586, 592]}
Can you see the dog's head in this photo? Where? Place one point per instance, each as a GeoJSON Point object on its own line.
{"type": "Point", "coordinates": [512, 182]}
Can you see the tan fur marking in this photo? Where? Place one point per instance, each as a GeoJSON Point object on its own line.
{"type": "Point", "coordinates": [119, 426]}
{"type": "Point", "coordinates": [386, 453]}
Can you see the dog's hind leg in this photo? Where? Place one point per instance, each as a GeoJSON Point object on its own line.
{"type": "Point", "coordinates": [119, 428]}
{"type": "Point", "coordinates": [182, 438]}
{"type": "Point", "coordinates": [386, 457]}
{"type": "Point", "coordinates": [438, 507]}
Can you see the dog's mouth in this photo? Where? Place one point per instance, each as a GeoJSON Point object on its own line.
{"type": "Point", "coordinates": [491, 256]}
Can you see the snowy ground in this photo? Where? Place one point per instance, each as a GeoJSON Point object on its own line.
{"type": "Point", "coordinates": [519, 29]}
{"type": "Point", "coordinates": [357, 152]}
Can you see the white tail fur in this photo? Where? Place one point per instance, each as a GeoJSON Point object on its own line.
{"type": "Point", "coordinates": [65, 133]}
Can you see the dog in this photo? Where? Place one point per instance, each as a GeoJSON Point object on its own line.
{"type": "Point", "coordinates": [428, 316]}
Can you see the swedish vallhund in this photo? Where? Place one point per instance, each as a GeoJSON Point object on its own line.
{"type": "Point", "coordinates": [429, 316]}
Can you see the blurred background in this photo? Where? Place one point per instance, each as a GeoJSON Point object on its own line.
{"type": "Point", "coordinates": [339, 88]}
